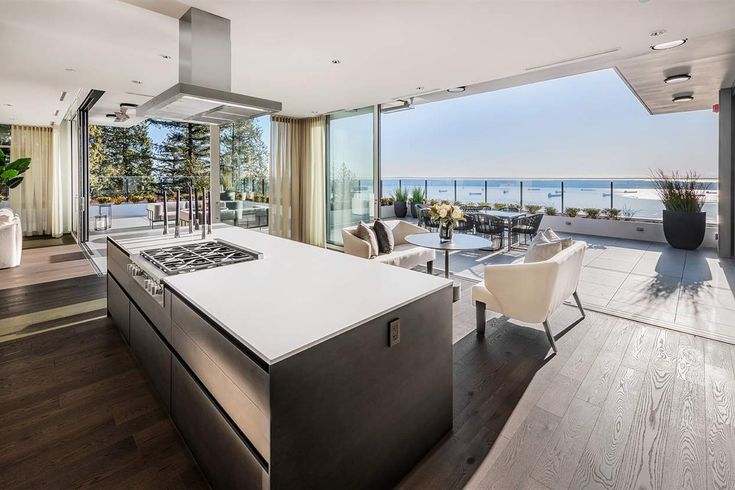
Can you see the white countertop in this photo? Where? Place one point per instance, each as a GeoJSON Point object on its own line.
{"type": "Point", "coordinates": [296, 296]}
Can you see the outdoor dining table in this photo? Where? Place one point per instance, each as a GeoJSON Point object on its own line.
{"type": "Point", "coordinates": [508, 216]}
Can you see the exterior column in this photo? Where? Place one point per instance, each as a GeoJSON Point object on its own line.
{"type": "Point", "coordinates": [726, 179]}
{"type": "Point", "coordinates": [214, 170]}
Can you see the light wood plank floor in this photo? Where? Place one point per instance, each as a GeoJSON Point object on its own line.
{"type": "Point", "coordinates": [622, 405]}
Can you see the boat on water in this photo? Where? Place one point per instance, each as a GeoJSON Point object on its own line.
{"type": "Point", "coordinates": [475, 193]}
{"type": "Point", "coordinates": [711, 192]}
{"type": "Point", "coordinates": [628, 191]}
{"type": "Point", "coordinates": [534, 188]}
{"type": "Point", "coordinates": [505, 191]}
{"type": "Point", "coordinates": [587, 190]}
{"type": "Point", "coordinates": [442, 190]}
{"type": "Point", "coordinates": [554, 194]}
{"type": "Point", "coordinates": [606, 194]}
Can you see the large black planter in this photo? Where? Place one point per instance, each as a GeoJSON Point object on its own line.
{"type": "Point", "coordinates": [227, 196]}
{"type": "Point", "coordinates": [414, 212]}
{"type": "Point", "coordinates": [684, 230]}
{"type": "Point", "coordinates": [400, 209]}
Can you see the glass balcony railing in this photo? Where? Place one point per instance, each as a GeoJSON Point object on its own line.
{"type": "Point", "coordinates": [632, 198]}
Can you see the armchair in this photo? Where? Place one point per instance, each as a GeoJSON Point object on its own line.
{"type": "Point", "coordinates": [530, 292]}
{"type": "Point", "coordinates": [11, 239]}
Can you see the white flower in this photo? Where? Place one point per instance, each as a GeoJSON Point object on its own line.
{"type": "Point", "coordinates": [443, 212]}
{"type": "Point", "coordinates": [456, 213]}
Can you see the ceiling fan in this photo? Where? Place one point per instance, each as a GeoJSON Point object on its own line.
{"type": "Point", "coordinates": [122, 114]}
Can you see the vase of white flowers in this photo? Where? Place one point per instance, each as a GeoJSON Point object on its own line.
{"type": "Point", "coordinates": [447, 216]}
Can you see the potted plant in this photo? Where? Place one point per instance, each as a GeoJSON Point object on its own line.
{"type": "Point", "coordinates": [417, 197]}
{"type": "Point", "coordinates": [11, 173]}
{"type": "Point", "coordinates": [592, 213]}
{"type": "Point", "coordinates": [571, 212]}
{"type": "Point", "coordinates": [447, 215]}
{"type": "Point", "coordinates": [683, 197]}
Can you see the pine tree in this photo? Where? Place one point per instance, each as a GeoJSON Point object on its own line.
{"type": "Point", "coordinates": [243, 155]}
{"type": "Point", "coordinates": [183, 154]}
{"type": "Point", "coordinates": [120, 159]}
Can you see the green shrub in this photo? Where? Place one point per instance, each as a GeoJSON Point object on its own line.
{"type": "Point", "coordinates": [136, 198]}
{"type": "Point", "coordinates": [386, 201]}
{"type": "Point", "coordinates": [104, 199]}
{"type": "Point", "coordinates": [533, 208]}
{"type": "Point", "coordinates": [499, 205]}
{"type": "Point", "coordinates": [611, 213]}
{"type": "Point", "coordinates": [400, 195]}
{"type": "Point", "coordinates": [550, 210]}
{"type": "Point", "coordinates": [417, 195]}
{"type": "Point", "coordinates": [572, 212]}
{"type": "Point", "coordinates": [680, 192]}
{"type": "Point", "coordinates": [484, 204]}
{"type": "Point", "coordinates": [591, 213]}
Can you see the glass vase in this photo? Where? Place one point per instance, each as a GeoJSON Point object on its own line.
{"type": "Point", "coordinates": [446, 229]}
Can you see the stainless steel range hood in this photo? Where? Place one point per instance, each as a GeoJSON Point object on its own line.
{"type": "Point", "coordinates": [203, 92]}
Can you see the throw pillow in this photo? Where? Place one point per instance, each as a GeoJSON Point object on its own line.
{"type": "Point", "coordinates": [365, 232]}
{"type": "Point", "coordinates": [384, 234]}
{"type": "Point", "coordinates": [553, 237]}
{"type": "Point", "coordinates": [541, 248]}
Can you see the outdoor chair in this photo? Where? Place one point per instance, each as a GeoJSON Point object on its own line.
{"type": "Point", "coordinates": [466, 226]}
{"type": "Point", "coordinates": [527, 226]}
{"type": "Point", "coordinates": [490, 226]}
{"type": "Point", "coordinates": [510, 209]}
{"type": "Point", "coordinates": [426, 221]}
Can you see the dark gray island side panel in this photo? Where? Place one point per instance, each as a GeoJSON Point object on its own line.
{"type": "Point", "coordinates": [352, 412]}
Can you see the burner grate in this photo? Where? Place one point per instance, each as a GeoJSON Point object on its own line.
{"type": "Point", "coordinates": [196, 256]}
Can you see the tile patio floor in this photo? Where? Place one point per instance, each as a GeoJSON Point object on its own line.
{"type": "Point", "coordinates": [690, 291]}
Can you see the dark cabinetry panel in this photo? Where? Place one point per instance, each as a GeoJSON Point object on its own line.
{"type": "Point", "coordinates": [152, 353]}
{"type": "Point", "coordinates": [119, 307]}
{"type": "Point", "coordinates": [223, 456]}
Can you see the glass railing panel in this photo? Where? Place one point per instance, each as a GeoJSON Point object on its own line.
{"type": "Point", "coordinates": [440, 189]}
{"type": "Point", "coordinates": [586, 194]}
{"type": "Point", "coordinates": [503, 192]}
{"type": "Point", "coordinates": [544, 193]}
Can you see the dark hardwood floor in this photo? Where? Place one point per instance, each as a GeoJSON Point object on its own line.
{"type": "Point", "coordinates": [76, 411]}
{"type": "Point", "coordinates": [622, 405]}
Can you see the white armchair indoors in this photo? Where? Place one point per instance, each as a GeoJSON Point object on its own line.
{"type": "Point", "coordinates": [530, 292]}
{"type": "Point", "coordinates": [11, 239]}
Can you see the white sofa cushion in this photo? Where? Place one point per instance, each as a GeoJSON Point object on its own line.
{"type": "Point", "coordinates": [541, 248]}
{"type": "Point", "coordinates": [407, 255]}
{"type": "Point", "coordinates": [11, 239]}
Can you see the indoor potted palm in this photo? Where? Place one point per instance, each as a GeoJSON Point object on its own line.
{"type": "Point", "coordinates": [400, 197]}
{"type": "Point", "coordinates": [11, 173]}
{"type": "Point", "coordinates": [683, 197]}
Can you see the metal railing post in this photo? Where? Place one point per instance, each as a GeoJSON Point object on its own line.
{"type": "Point", "coordinates": [521, 195]}
{"type": "Point", "coordinates": [611, 195]}
{"type": "Point", "coordinates": [426, 189]}
{"type": "Point", "coordinates": [400, 185]}
{"type": "Point", "coordinates": [485, 191]}
{"type": "Point", "coordinates": [455, 190]}
{"type": "Point", "coordinates": [562, 196]}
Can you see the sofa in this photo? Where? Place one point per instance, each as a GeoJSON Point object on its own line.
{"type": "Point", "coordinates": [530, 292]}
{"type": "Point", "coordinates": [11, 239]}
{"type": "Point", "coordinates": [404, 254]}
{"type": "Point", "coordinates": [154, 211]}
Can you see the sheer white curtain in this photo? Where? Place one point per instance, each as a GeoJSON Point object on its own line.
{"type": "Point", "coordinates": [297, 179]}
{"type": "Point", "coordinates": [38, 200]}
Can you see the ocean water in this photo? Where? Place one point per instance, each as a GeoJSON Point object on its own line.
{"type": "Point", "coordinates": [632, 196]}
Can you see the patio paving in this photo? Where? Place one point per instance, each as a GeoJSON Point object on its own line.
{"type": "Point", "coordinates": [690, 291]}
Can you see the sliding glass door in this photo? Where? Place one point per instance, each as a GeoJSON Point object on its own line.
{"type": "Point", "coordinates": [351, 174]}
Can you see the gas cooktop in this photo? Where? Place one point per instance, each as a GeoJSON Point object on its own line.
{"type": "Point", "coordinates": [197, 256]}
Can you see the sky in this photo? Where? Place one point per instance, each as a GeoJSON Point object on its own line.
{"type": "Point", "coordinates": [588, 125]}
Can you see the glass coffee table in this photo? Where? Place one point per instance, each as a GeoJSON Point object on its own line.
{"type": "Point", "coordinates": [458, 242]}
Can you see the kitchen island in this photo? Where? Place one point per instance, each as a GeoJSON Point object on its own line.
{"type": "Point", "coordinates": [300, 368]}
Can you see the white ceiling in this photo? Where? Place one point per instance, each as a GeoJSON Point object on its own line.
{"type": "Point", "coordinates": [281, 50]}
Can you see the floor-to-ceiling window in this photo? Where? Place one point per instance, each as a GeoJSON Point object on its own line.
{"type": "Point", "coordinates": [244, 168]}
{"type": "Point", "coordinates": [350, 170]}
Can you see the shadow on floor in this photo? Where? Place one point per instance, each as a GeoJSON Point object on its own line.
{"type": "Point", "coordinates": [491, 374]}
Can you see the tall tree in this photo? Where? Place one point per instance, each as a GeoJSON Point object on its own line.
{"type": "Point", "coordinates": [183, 154]}
{"type": "Point", "coordinates": [243, 155]}
{"type": "Point", "coordinates": [120, 159]}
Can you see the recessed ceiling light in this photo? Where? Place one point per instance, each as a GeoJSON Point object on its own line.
{"type": "Point", "coordinates": [419, 88]}
{"type": "Point", "coordinates": [683, 98]}
{"type": "Point", "coordinates": [456, 90]}
{"type": "Point", "coordinates": [671, 44]}
{"type": "Point", "coordinates": [684, 77]}
{"type": "Point", "coordinates": [137, 82]}
{"type": "Point", "coordinates": [336, 62]}
{"type": "Point", "coordinates": [660, 32]}
{"type": "Point", "coordinates": [165, 56]}
{"type": "Point", "coordinates": [8, 105]}
{"type": "Point", "coordinates": [69, 69]}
